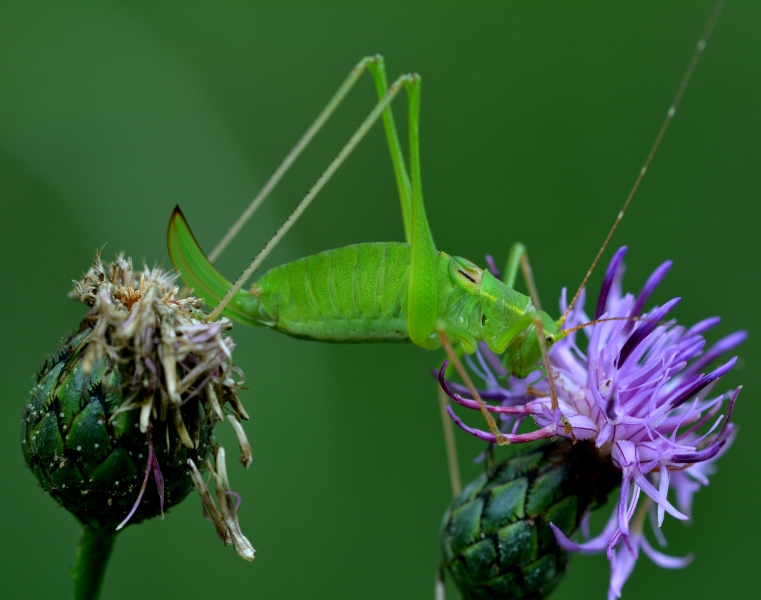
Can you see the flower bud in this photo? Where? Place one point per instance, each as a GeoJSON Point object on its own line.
{"type": "Point", "coordinates": [496, 536]}
{"type": "Point", "coordinates": [91, 457]}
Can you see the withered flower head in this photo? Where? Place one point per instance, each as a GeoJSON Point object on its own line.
{"type": "Point", "coordinates": [136, 392]}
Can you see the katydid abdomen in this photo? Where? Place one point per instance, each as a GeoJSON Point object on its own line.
{"type": "Point", "coordinates": [352, 294]}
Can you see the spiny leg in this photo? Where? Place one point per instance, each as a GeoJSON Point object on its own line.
{"type": "Point", "coordinates": [291, 157]}
{"type": "Point", "coordinates": [355, 139]}
{"type": "Point", "coordinates": [295, 152]}
{"type": "Point", "coordinates": [546, 361]}
{"type": "Point", "coordinates": [375, 65]}
{"type": "Point", "coordinates": [455, 361]}
{"type": "Point", "coordinates": [567, 427]}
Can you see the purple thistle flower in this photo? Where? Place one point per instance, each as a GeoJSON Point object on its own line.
{"type": "Point", "coordinates": [639, 394]}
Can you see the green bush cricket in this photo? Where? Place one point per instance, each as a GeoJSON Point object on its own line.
{"type": "Point", "coordinates": [388, 291]}
{"type": "Point", "coordinates": [380, 291]}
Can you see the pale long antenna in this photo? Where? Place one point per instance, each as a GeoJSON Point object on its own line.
{"type": "Point", "coordinates": [669, 115]}
{"type": "Point", "coordinates": [291, 157]}
{"type": "Point", "coordinates": [302, 206]}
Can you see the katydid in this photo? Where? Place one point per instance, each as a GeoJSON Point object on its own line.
{"type": "Point", "coordinates": [386, 291]}
{"type": "Point", "coordinates": [380, 291]}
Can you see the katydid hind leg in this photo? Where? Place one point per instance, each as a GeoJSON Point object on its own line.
{"type": "Point", "coordinates": [183, 249]}
{"type": "Point", "coordinates": [377, 69]}
{"type": "Point", "coordinates": [375, 65]}
{"type": "Point", "coordinates": [422, 291]}
{"type": "Point", "coordinates": [336, 163]}
{"type": "Point", "coordinates": [332, 105]}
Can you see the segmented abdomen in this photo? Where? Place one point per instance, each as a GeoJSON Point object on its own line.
{"type": "Point", "coordinates": [357, 293]}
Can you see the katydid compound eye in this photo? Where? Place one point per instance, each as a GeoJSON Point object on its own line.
{"type": "Point", "coordinates": [465, 274]}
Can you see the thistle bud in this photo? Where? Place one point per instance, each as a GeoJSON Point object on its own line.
{"type": "Point", "coordinates": [90, 456]}
{"type": "Point", "coordinates": [496, 536]}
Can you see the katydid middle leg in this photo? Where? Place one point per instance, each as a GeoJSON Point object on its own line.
{"type": "Point", "coordinates": [518, 259]}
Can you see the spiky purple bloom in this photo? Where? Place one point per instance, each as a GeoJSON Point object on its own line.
{"type": "Point", "coordinates": [639, 393]}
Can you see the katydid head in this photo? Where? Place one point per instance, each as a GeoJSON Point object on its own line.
{"type": "Point", "coordinates": [505, 318]}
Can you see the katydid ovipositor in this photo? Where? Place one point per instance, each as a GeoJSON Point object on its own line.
{"type": "Point", "coordinates": [384, 291]}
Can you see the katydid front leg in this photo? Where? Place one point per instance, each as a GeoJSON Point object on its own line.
{"type": "Point", "coordinates": [518, 259]}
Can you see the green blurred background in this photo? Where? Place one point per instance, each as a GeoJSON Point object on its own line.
{"type": "Point", "coordinates": [536, 119]}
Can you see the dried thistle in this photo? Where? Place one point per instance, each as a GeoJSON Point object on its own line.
{"type": "Point", "coordinates": [128, 402]}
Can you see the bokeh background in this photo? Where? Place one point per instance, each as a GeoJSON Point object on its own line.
{"type": "Point", "coordinates": [536, 119]}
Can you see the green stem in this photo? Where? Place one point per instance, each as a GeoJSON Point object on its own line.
{"type": "Point", "coordinates": [92, 558]}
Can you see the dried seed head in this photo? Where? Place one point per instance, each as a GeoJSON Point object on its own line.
{"type": "Point", "coordinates": [123, 406]}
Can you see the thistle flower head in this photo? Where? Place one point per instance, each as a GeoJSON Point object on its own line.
{"type": "Point", "coordinates": [638, 391]}
{"type": "Point", "coordinates": [134, 397]}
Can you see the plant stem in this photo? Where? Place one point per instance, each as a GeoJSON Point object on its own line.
{"type": "Point", "coordinates": [92, 557]}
